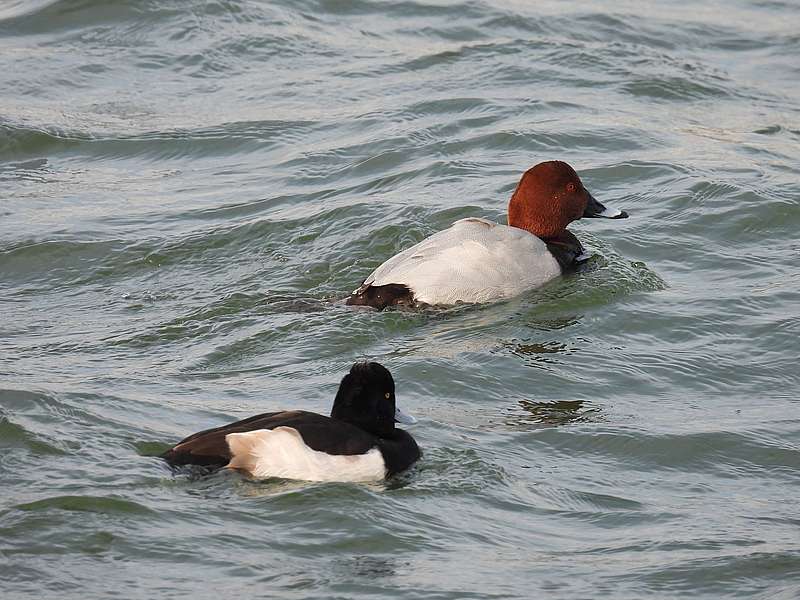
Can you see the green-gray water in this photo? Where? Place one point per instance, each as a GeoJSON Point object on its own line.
{"type": "Point", "coordinates": [190, 187]}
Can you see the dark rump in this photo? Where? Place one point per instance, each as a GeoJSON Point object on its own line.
{"type": "Point", "coordinates": [381, 296]}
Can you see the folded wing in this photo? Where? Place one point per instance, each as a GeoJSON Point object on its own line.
{"type": "Point", "coordinates": [474, 260]}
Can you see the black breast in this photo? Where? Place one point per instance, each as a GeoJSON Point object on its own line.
{"type": "Point", "coordinates": [565, 249]}
{"type": "Point", "coordinates": [399, 451]}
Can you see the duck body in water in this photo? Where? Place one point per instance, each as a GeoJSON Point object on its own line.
{"type": "Point", "coordinates": [476, 260]}
{"type": "Point", "coordinates": [357, 442]}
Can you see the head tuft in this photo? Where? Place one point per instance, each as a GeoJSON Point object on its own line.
{"type": "Point", "coordinates": [366, 398]}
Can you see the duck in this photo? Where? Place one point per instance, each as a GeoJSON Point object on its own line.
{"type": "Point", "coordinates": [476, 260]}
{"type": "Point", "coordinates": [357, 442]}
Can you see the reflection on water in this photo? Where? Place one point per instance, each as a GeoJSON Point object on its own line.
{"type": "Point", "coordinates": [266, 488]}
{"type": "Point", "coordinates": [360, 566]}
{"type": "Point", "coordinates": [539, 354]}
{"type": "Point", "coordinates": [545, 348]}
{"type": "Point", "coordinates": [549, 323]}
{"type": "Point", "coordinates": [554, 324]}
{"type": "Point", "coordinates": [560, 412]}
{"type": "Point", "coordinates": [274, 487]}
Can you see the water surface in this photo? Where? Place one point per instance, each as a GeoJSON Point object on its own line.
{"type": "Point", "coordinates": [189, 189]}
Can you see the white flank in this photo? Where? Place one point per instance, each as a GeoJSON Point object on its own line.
{"type": "Point", "coordinates": [281, 452]}
{"type": "Point", "coordinates": [475, 260]}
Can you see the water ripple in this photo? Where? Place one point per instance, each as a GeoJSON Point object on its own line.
{"type": "Point", "coordinates": [190, 190]}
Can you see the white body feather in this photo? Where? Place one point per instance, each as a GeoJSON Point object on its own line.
{"type": "Point", "coordinates": [474, 260]}
{"type": "Point", "coordinates": [281, 452]}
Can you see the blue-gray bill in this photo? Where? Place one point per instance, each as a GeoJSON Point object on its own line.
{"type": "Point", "coordinates": [401, 417]}
{"type": "Point", "coordinates": [596, 210]}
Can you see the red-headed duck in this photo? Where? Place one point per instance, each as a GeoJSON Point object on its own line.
{"type": "Point", "coordinates": [476, 260]}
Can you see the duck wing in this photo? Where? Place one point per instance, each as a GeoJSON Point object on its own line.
{"type": "Point", "coordinates": [474, 260]}
{"type": "Point", "coordinates": [321, 433]}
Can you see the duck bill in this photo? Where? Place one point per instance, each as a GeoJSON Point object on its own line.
{"type": "Point", "coordinates": [401, 417]}
{"type": "Point", "coordinates": [595, 210]}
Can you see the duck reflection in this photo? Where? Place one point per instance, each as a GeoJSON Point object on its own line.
{"type": "Point", "coordinates": [560, 412]}
{"type": "Point", "coordinates": [274, 488]}
{"type": "Point", "coordinates": [538, 354]}
{"type": "Point", "coordinates": [551, 324]}
{"type": "Point", "coordinates": [360, 567]}
{"type": "Point", "coordinates": [539, 348]}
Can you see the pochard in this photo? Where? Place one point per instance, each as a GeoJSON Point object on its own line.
{"type": "Point", "coordinates": [476, 260]}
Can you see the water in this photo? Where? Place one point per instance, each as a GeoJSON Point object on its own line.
{"type": "Point", "coordinates": [188, 190]}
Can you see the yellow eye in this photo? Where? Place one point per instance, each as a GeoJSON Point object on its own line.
{"type": "Point", "coordinates": [388, 395]}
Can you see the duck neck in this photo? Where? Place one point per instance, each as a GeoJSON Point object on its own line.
{"type": "Point", "coordinates": [544, 223]}
{"type": "Point", "coordinates": [565, 248]}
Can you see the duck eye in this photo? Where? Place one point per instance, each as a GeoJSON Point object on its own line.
{"type": "Point", "coordinates": [570, 187]}
{"type": "Point", "coordinates": [387, 395]}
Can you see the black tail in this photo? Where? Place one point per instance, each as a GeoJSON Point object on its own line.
{"type": "Point", "coordinates": [381, 296]}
